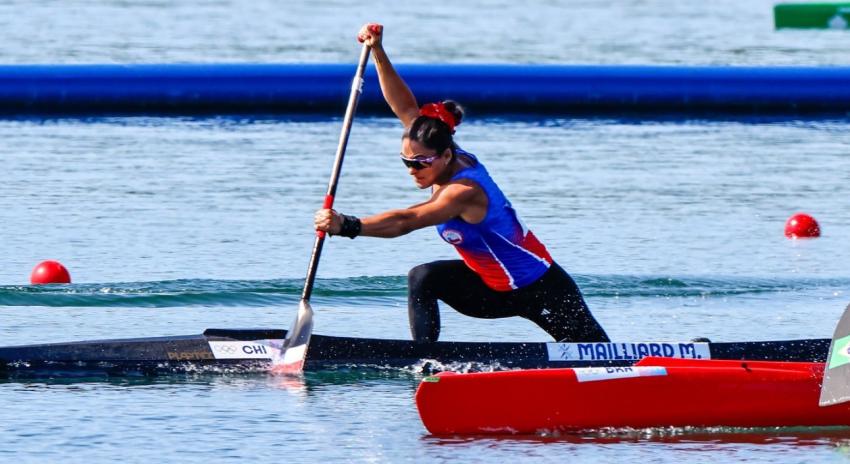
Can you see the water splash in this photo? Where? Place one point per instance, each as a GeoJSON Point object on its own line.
{"type": "Point", "coordinates": [432, 366]}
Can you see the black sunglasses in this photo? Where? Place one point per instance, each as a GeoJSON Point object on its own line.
{"type": "Point", "coordinates": [418, 163]}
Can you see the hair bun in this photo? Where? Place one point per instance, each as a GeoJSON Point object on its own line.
{"type": "Point", "coordinates": [455, 109]}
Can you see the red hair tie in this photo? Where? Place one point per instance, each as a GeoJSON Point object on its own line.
{"type": "Point", "coordinates": [439, 111]}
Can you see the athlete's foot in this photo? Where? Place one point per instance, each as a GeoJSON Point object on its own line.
{"type": "Point", "coordinates": [700, 340]}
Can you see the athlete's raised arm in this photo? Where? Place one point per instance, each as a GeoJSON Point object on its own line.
{"type": "Point", "coordinates": [395, 90]}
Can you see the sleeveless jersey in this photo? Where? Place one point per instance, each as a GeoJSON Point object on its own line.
{"type": "Point", "coordinates": [500, 248]}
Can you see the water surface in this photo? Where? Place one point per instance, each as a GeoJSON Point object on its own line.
{"type": "Point", "coordinates": [673, 228]}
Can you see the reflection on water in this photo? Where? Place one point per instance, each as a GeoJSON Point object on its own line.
{"type": "Point", "coordinates": [216, 377]}
{"type": "Point", "coordinates": [797, 436]}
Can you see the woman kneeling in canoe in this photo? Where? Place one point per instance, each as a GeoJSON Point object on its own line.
{"type": "Point", "coordinates": [505, 270]}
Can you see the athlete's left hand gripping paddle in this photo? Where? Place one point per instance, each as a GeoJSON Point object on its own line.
{"type": "Point", "coordinates": [294, 350]}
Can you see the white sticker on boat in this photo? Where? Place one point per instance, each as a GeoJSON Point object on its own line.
{"type": "Point", "coordinates": [626, 351]}
{"type": "Point", "coordinates": [253, 349]}
{"type": "Point", "coordinates": [594, 374]}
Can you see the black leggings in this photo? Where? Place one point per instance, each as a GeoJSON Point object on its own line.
{"type": "Point", "coordinates": [553, 302]}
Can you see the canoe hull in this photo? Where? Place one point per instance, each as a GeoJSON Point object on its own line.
{"type": "Point", "coordinates": [253, 349]}
{"type": "Point", "coordinates": [655, 393]}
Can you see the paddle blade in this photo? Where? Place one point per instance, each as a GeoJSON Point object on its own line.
{"type": "Point", "coordinates": [836, 376]}
{"type": "Point", "coordinates": [293, 353]}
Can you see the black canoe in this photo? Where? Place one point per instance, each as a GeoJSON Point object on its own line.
{"type": "Point", "coordinates": [243, 350]}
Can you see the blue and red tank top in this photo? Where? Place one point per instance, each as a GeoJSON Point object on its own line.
{"type": "Point", "coordinates": [500, 248]}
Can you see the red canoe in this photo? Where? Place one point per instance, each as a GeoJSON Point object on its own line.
{"type": "Point", "coordinates": [656, 392]}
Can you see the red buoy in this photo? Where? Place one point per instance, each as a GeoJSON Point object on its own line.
{"type": "Point", "coordinates": [50, 272]}
{"type": "Point", "coordinates": [801, 225]}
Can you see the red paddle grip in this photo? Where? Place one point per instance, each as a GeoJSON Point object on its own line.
{"type": "Point", "coordinates": [329, 201]}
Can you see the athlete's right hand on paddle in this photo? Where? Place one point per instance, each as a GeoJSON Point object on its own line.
{"type": "Point", "coordinates": [371, 34]}
{"type": "Point", "coordinates": [328, 220]}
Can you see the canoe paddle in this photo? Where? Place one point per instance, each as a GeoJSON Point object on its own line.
{"type": "Point", "coordinates": [294, 349]}
{"type": "Point", "coordinates": [836, 375]}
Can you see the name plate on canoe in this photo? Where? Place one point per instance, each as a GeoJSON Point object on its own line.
{"type": "Point", "coordinates": [626, 351]}
{"type": "Point", "coordinates": [595, 374]}
{"type": "Point", "coordinates": [241, 350]}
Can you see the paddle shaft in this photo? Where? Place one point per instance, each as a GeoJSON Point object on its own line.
{"type": "Point", "coordinates": [353, 98]}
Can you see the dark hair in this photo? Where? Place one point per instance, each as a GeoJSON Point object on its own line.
{"type": "Point", "coordinates": [434, 133]}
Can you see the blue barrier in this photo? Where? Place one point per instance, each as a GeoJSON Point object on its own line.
{"type": "Point", "coordinates": [483, 89]}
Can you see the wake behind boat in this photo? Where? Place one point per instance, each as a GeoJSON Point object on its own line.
{"type": "Point", "coordinates": [246, 350]}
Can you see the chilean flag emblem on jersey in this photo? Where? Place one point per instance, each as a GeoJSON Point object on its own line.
{"type": "Point", "coordinates": [452, 236]}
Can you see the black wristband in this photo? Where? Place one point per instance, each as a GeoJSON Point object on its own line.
{"type": "Point", "coordinates": [350, 226]}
